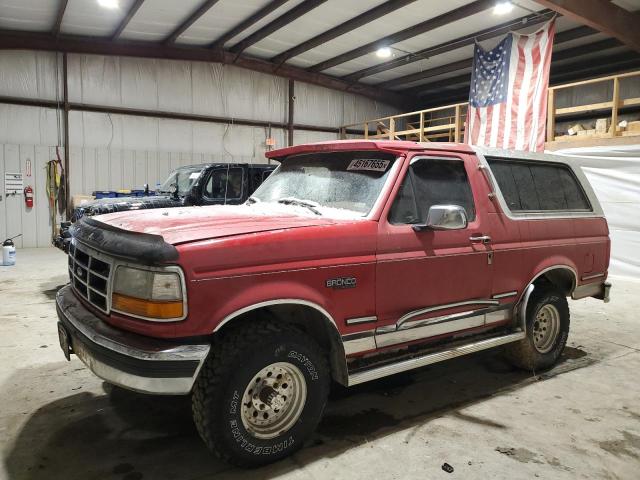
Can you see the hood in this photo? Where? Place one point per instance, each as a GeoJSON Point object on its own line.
{"type": "Point", "coordinates": [121, 204]}
{"type": "Point", "coordinates": [189, 224]}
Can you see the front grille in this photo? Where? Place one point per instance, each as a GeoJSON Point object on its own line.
{"type": "Point", "coordinates": [90, 273]}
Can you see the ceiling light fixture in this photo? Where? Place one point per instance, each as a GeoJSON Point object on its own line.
{"type": "Point", "coordinates": [383, 52]}
{"type": "Point", "coordinates": [502, 8]}
{"type": "Point", "coordinates": [110, 4]}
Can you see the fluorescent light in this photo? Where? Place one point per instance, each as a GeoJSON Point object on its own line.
{"type": "Point", "coordinates": [502, 8]}
{"type": "Point", "coordinates": [110, 4]}
{"type": "Point", "coordinates": [383, 52]}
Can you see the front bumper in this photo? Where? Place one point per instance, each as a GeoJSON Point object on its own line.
{"type": "Point", "coordinates": [126, 359]}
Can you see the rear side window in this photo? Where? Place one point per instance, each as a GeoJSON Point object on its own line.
{"type": "Point", "coordinates": [528, 186]}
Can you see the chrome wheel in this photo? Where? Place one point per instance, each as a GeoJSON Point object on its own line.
{"type": "Point", "coordinates": [545, 328]}
{"type": "Point", "coordinates": [273, 400]}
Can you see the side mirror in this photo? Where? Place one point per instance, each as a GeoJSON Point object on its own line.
{"type": "Point", "coordinates": [444, 217]}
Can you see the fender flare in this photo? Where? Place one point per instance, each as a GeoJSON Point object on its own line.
{"type": "Point", "coordinates": [338, 358]}
{"type": "Point", "coordinates": [523, 301]}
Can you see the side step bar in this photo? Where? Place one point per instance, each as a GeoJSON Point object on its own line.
{"type": "Point", "coordinates": [410, 364]}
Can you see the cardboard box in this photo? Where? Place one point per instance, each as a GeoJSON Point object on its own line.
{"type": "Point", "coordinates": [575, 130]}
{"type": "Point", "coordinates": [633, 127]}
{"type": "Point", "coordinates": [602, 125]}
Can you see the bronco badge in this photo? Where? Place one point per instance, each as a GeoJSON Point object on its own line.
{"type": "Point", "coordinates": [341, 282]}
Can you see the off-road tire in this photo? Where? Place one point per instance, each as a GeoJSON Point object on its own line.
{"type": "Point", "coordinates": [234, 361]}
{"type": "Point", "coordinates": [524, 354]}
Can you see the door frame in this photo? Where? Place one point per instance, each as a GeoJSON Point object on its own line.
{"type": "Point", "coordinates": [433, 321]}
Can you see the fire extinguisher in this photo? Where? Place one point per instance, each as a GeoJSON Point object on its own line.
{"type": "Point", "coordinates": [28, 196]}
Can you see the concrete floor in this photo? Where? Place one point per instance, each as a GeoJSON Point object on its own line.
{"type": "Point", "coordinates": [487, 420]}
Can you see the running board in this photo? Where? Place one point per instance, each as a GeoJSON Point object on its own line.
{"type": "Point", "coordinates": [410, 364]}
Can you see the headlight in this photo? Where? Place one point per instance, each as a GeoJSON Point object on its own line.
{"type": "Point", "coordinates": [152, 295]}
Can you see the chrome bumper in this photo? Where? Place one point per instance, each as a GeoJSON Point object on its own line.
{"type": "Point", "coordinates": [126, 359]}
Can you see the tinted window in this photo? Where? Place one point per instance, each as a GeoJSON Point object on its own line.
{"type": "Point", "coordinates": [538, 186]}
{"type": "Point", "coordinates": [432, 182]}
{"type": "Point", "coordinates": [224, 184]}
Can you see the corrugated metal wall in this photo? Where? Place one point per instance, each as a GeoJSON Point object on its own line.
{"type": "Point", "coordinates": [109, 151]}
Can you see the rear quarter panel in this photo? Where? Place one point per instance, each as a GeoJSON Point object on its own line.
{"type": "Point", "coordinates": [577, 240]}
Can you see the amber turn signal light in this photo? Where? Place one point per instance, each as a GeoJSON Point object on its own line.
{"type": "Point", "coordinates": [147, 308]}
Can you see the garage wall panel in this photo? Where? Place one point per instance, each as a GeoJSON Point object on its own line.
{"type": "Point", "coordinates": [15, 217]}
{"type": "Point", "coordinates": [43, 215]}
{"type": "Point", "coordinates": [115, 169]}
{"type": "Point", "coordinates": [103, 177]}
{"type": "Point", "coordinates": [174, 86]}
{"type": "Point", "coordinates": [28, 74]}
{"type": "Point", "coordinates": [139, 82]}
{"type": "Point", "coordinates": [3, 203]}
{"type": "Point", "coordinates": [29, 217]}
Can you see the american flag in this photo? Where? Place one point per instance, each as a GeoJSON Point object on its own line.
{"type": "Point", "coordinates": [508, 97]}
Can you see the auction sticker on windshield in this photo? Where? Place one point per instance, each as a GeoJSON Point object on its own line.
{"type": "Point", "coordinates": [373, 165]}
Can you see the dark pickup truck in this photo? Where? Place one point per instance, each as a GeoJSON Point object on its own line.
{"type": "Point", "coordinates": [205, 184]}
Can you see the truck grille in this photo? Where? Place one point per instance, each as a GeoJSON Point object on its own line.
{"type": "Point", "coordinates": [90, 274]}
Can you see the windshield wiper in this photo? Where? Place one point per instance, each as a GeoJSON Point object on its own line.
{"type": "Point", "coordinates": [301, 203]}
{"type": "Point", "coordinates": [252, 200]}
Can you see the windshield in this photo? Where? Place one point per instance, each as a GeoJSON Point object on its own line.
{"type": "Point", "coordinates": [183, 177]}
{"type": "Point", "coordinates": [349, 181]}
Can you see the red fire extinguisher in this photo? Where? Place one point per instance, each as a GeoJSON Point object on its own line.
{"type": "Point", "coordinates": [28, 196]}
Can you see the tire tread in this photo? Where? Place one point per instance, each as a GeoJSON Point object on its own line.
{"type": "Point", "coordinates": [227, 351]}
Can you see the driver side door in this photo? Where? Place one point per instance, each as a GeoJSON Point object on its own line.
{"type": "Point", "coordinates": [433, 283]}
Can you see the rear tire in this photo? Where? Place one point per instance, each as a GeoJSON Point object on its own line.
{"type": "Point", "coordinates": [261, 393]}
{"type": "Point", "coordinates": [547, 331]}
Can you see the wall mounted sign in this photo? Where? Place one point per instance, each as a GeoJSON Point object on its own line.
{"type": "Point", "coordinates": [13, 183]}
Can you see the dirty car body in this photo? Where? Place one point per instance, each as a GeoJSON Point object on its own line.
{"type": "Point", "coordinates": [366, 258]}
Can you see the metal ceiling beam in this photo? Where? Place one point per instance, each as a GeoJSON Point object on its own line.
{"type": "Point", "coordinates": [346, 27]}
{"type": "Point", "coordinates": [568, 53]}
{"type": "Point", "coordinates": [92, 45]}
{"type": "Point", "coordinates": [423, 27]}
{"type": "Point", "coordinates": [127, 18]}
{"type": "Point", "coordinates": [580, 50]}
{"type": "Point", "coordinates": [136, 112]}
{"type": "Point", "coordinates": [492, 32]}
{"type": "Point", "coordinates": [574, 34]}
{"type": "Point", "coordinates": [560, 38]}
{"type": "Point", "coordinates": [248, 22]}
{"type": "Point", "coordinates": [603, 15]}
{"type": "Point", "coordinates": [193, 18]}
{"type": "Point", "coordinates": [432, 72]}
{"type": "Point", "coordinates": [559, 74]}
{"type": "Point", "coordinates": [61, 9]}
{"type": "Point", "coordinates": [283, 20]}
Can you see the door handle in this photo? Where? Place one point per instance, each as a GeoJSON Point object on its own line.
{"type": "Point", "coordinates": [480, 239]}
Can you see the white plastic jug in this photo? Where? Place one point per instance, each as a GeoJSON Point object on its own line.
{"type": "Point", "coordinates": [8, 253]}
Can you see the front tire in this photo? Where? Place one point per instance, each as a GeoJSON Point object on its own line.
{"type": "Point", "coordinates": [261, 393]}
{"type": "Point", "coordinates": [548, 322]}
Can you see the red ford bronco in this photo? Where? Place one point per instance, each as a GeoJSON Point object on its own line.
{"type": "Point", "coordinates": [353, 261]}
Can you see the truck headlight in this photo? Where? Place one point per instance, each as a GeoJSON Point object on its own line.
{"type": "Point", "coordinates": [148, 294]}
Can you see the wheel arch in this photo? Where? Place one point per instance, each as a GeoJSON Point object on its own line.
{"type": "Point", "coordinates": [563, 276]}
{"type": "Point", "coordinates": [308, 316]}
